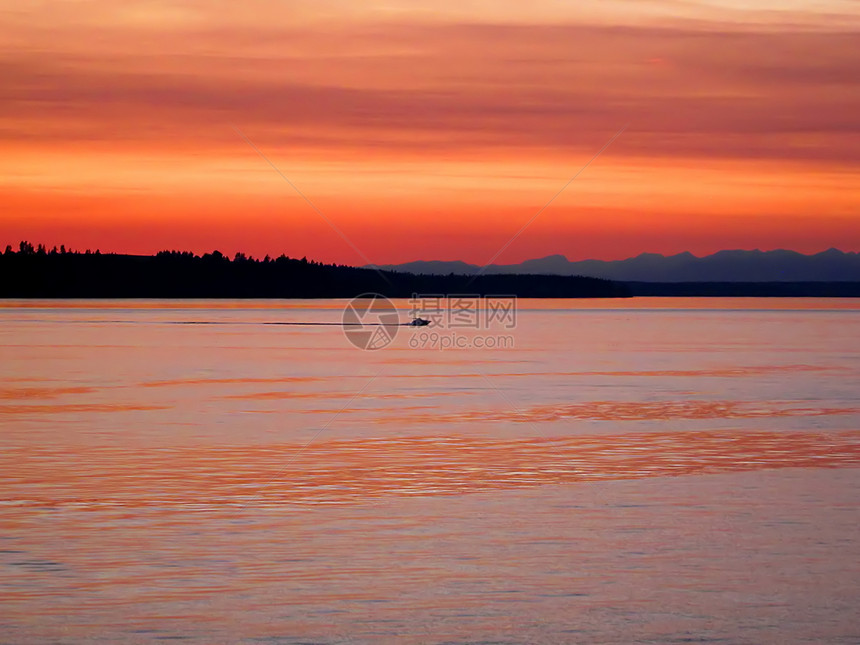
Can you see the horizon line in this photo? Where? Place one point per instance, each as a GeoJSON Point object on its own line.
{"type": "Point", "coordinates": [242, 255]}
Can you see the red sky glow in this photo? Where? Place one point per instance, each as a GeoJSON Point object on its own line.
{"type": "Point", "coordinates": [430, 134]}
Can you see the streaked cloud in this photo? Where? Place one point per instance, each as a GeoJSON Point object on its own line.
{"type": "Point", "coordinates": [685, 92]}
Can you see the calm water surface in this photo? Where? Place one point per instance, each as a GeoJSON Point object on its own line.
{"type": "Point", "coordinates": [647, 470]}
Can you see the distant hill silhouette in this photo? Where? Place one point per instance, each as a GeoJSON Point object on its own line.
{"type": "Point", "coordinates": [36, 272]}
{"type": "Point", "coordinates": [725, 266]}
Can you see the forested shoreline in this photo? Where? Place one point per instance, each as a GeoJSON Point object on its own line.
{"type": "Point", "coordinates": [38, 272]}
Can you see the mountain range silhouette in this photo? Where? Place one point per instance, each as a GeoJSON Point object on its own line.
{"type": "Point", "coordinates": [780, 265]}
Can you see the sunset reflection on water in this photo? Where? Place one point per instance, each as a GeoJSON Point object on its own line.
{"type": "Point", "coordinates": [646, 470]}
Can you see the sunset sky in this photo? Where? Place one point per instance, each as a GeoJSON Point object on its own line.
{"type": "Point", "coordinates": [430, 130]}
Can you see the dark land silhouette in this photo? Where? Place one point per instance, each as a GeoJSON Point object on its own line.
{"type": "Point", "coordinates": [747, 289]}
{"type": "Point", "coordinates": [38, 272]}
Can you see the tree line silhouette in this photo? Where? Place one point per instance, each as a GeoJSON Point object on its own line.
{"type": "Point", "coordinates": [39, 272]}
